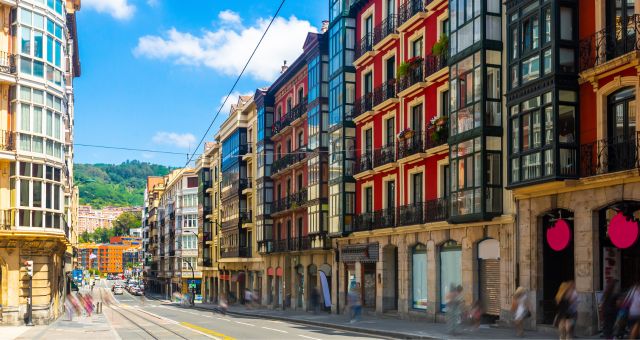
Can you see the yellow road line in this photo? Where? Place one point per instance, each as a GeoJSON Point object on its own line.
{"type": "Point", "coordinates": [207, 331]}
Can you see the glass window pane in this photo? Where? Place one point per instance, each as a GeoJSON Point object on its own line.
{"type": "Point", "coordinates": [566, 23]}
{"type": "Point", "coordinates": [419, 275]}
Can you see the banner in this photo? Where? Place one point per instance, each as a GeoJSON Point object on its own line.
{"type": "Point", "coordinates": [326, 294]}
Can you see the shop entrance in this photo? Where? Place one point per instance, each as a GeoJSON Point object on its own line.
{"type": "Point", "coordinates": [619, 247]}
{"type": "Point", "coordinates": [390, 278]}
{"type": "Point", "coordinates": [369, 285]}
{"type": "Point", "coordinates": [489, 276]}
{"type": "Point", "coordinates": [557, 258]}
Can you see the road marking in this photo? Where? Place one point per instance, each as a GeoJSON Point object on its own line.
{"type": "Point", "coordinates": [275, 321]}
{"type": "Point", "coordinates": [273, 329]}
{"type": "Point", "coordinates": [244, 323]}
{"type": "Point", "coordinates": [308, 337]}
{"type": "Point", "coordinates": [223, 319]}
{"type": "Point", "coordinates": [207, 331]}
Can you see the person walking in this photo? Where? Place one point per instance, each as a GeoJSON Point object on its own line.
{"type": "Point", "coordinates": [634, 312]}
{"type": "Point", "coordinates": [567, 300]}
{"type": "Point", "coordinates": [609, 308]}
{"type": "Point", "coordinates": [454, 308]}
{"type": "Point", "coordinates": [355, 303]}
{"type": "Point", "coordinates": [520, 309]}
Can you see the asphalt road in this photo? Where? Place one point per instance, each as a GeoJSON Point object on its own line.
{"type": "Point", "coordinates": [136, 317]}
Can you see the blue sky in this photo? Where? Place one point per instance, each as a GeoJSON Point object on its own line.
{"type": "Point", "coordinates": [154, 72]}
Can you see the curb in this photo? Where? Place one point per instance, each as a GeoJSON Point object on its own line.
{"type": "Point", "coordinates": [383, 333]}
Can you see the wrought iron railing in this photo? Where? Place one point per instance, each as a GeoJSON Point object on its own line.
{"type": "Point", "coordinates": [235, 251]}
{"type": "Point", "coordinates": [608, 44]}
{"type": "Point", "coordinates": [281, 245]}
{"type": "Point", "coordinates": [292, 201]}
{"type": "Point", "coordinates": [386, 27]}
{"type": "Point", "coordinates": [289, 117]}
{"type": "Point", "coordinates": [409, 9]}
{"type": "Point", "coordinates": [385, 218]}
{"type": "Point", "coordinates": [245, 216]}
{"type": "Point", "coordinates": [435, 63]}
{"type": "Point", "coordinates": [411, 214]}
{"type": "Point", "coordinates": [609, 155]}
{"type": "Point", "coordinates": [436, 136]}
{"type": "Point", "coordinates": [7, 63]}
{"type": "Point", "coordinates": [365, 45]}
{"type": "Point", "coordinates": [364, 162]}
{"type": "Point", "coordinates": [289, 159]}
{"type": "Point", "coordinates": [415, 74]}
{"type": "Point", "coordinates": [411, 145]}
{"type": "Point", "coordinates": [384, 92]}
{"type": "Point", "coordinates": [437, 210]}
{"type": "Point", "coordinates": [266, 246]}
{"type": "Point", "coordinates": [7, 140]}
{"type": "Point", "coordinates": [384, 155]}
{"type": "Point", "coordinates": [362, 105]}
{"type": "Point", "coordinates": [364, 221]}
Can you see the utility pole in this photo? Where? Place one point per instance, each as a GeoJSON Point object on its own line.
{"type": "Point", "coordinates": [29, 267]}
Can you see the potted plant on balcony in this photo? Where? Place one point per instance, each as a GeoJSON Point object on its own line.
{"type": "Point", "coordinates": [405, 67]}
{"type": "Point", "coordinates": [406, 133]}
{"type": "Point", "coordinates": [440, 47]}
{"type": "Point", "coordinates": [438, 126]}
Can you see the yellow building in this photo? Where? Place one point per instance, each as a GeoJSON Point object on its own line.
{"type": "Point", "coordinates": [37, 196]}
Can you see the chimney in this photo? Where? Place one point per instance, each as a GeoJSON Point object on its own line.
{"type": "Point", "coordinates": [325, 26]}
{"type": "Point", "coordinates": [284, 67]}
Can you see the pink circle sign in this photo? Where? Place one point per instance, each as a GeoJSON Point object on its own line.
{"type": "Point", "coordinates": [559, 235]}
{"type": "Point", "coordinates": [623, 232]}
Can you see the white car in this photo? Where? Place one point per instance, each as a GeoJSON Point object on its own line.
{"type": "Point", "coordinates": [118, 290]}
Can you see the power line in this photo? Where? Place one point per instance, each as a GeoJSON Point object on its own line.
{"type": "Point", "coordinates": [130, 149]}
{"type": "Point", "coordinates": [234, 84]}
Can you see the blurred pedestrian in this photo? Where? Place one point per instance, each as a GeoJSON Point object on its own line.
{"type": "Point", "coordinates": [355, 303]}
{"type": "Point", "coordinates": [314, 300]}
{"type": "Point", "coordinates": [520, 309]}
{"type": "Point", "coordinates": [567, 301]}
{"type": "Point", "coordinates": [223, 305]}
{"type": "Point", "coordinates": [68, 307]}
{"type": "Point", "coordinates": [634, 312]}
{"type": "Point", "coordinates": [248, 298]}
{"type": "Point", "coordinates": [475, 314]}
{"type": "Point", "coordinates": [609, 309]}
{"type": "Point", "coordinates": [454, 307]}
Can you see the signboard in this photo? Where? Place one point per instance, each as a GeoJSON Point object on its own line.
{"type": "Point", "coordinates": [77, 275]}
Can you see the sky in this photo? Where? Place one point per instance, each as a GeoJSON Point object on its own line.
{"type": "Point", "coordinates": [155, 72]}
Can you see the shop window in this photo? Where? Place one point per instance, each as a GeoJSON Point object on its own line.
{"type": "Point", "coordinates": [419, 276]}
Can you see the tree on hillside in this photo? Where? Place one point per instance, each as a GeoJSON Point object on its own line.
{"type": "Point", "coordinates": [126, 221]}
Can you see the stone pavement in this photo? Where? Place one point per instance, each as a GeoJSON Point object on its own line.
{"type": "Point", "coordinates": [375, 325]}
{"type": "Point", "coordinates": [96, 326]}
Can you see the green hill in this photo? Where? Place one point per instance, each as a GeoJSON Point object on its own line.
{"type": "Point", "coordinates": [115, 185]}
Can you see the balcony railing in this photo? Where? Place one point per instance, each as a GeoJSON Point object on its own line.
{"type": "Point", "coordinates": [300, 243]}
{"type": "Point", "coordinates": [411, 214]}
{"type": "Point", "coordinates": [7, 140]}
{"type": "Point", "coordinates": [384, 92]}
{"type": "Point", "coordinates": [362, 105]}
{"type": "Point", "coordinates": [609, 155]}
{"type": "Point", "coordinates": [7, 63]}
{"type": "Point", "coordinates": [411, 145]}
{"type": "Point", "coordinates": [292, 201]}
{"type": "Point", "coordinates": [409, 9]}
{"type": "Point", "coordinates": [379, 219]}
{"type": "Point", "coordinates": [386, 27]}
{"type": "Point", "coordinates": [289, 159]}
{"type": "Point", "coordinates": [436, 136]}
{"type": "Point", "coordinates": [235, 252]}
{"type": "Point", "coordinates": [295, 113]}
{"type": "Point", "coordinates": [365, 45]}
{"type": "Point", "coordinates": [364, 162]}
{"type": "Point", "coordinates": [364, 221]}
{"type": "Point", "coordinates": [384, 155]}
{"type": "Point", "coordinates": [437, 210]}
{"type": "Point", "coordinates": [608, 44]}
{"type": "Point", "coordinates": [281, 245]}
{"type": "Point", "coordinates": [245, 216]}
{"type": "Point", "coordinates": [415, 74]}
{"type": "Point", "coordinates": [435, 63]}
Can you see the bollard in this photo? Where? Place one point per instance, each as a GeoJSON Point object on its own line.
{"type": "Point", "coordinates": [99, 308]}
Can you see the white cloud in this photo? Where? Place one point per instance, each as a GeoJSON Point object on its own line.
{"type": "Point", "coordinates": [153, 3]}
{"type": "Point", "coordinates": [226, 49]}
{"type": "Point", "coordinates": [185, 140]}
{"type": "Point", "coordinates": [233, 99]}
{"type": "Point", "coordinates": [119, 9]}
{"type": "Point", "coordinates": [230, 17]}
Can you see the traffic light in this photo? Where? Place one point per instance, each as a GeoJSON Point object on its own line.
{"type": "Point", "coordinates": [28, 265]}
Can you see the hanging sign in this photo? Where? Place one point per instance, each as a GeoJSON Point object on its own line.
{"type": "Point", "coordinates": [559, 235]}
{"type": "Point", "coordinates": [623, 231]}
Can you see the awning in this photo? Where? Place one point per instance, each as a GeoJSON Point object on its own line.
{"type": "Point", "coordinates": [363, 253]}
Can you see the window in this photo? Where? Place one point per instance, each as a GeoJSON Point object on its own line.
{"type": "Point", "coordinates": [416, 118]}
{"type": "Point", "coordinates": [391, 194]}
{"type": "Point", "coordinates": [390, 131]}
{"type": "Point", "coordinates": [189, 241]}
{"type": "Point", "coordinates": [450, 270]}
{"type": "Point", "coordinates": [416, 180]}
{"type": "Point", "coordinates": [417, 47]}
{"type": "Point", "coordinates": [419, 276]}
{"type": "Point", "coordinates": [190, 221]}
{"type": "Point", "coordinates": [368, 83]}
{"type": "Point", "coordinates": [368, 199]}
{"type": "Point", "coordinates": [190, 201]}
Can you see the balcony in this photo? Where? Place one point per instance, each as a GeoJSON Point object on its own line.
{"type": "Point", "coordinates": [383, 93]}
{"type": "Point", "coordinates": [265, 246]}
{"type": "Point", "coordinates": [291, 116]}
{"type": "Point", "coordinates": [411, 73]}
{"type": "Point", "coordinates": [365, 46]}
{"type": "Point", "coordinates": [292, 201]}
{"type": "Point", "coordinates": [609, 155]}
{"type": "Point", "coordinates": [245, 216]}
{"type": "Point", "coordinates": [280, 246]}
{"type": "Point", "coordinates": [362, 105]}
{"type": "Point", "coordinates": [207, 236]}
{"type": "Point", "coordinates": [387, 27]}
{"type": "Point", "coordinates": [436, 136]}
{"type": "Point", "coordinates": [7, 140]}
{"type": "Point", "coordinates": [437, 210]}
{"type": "Point", "coordinates": [411, 145]}
{"type": "Point", "coordinates": [411, 214]}
{"type": "Point", "coordinates": [289, 159]}
{"type": "Point", "coordinates": [364, 163]}
{"type": "Point", "coordinates": [408, 11]}
{"type": "Point", "coordinates": [379, 219]}
{"type": "Point", "coordinates": [7, 63]}
{"type": "Point", "coordinates": [300, 243]}
{"type": "Point", "coordinates": [235, 251]}
{"type": "Point", "coordinates": [435, 63]}
{"type": "Point", "coordinates": [606, 44]}
{"type": "Point", "coordinates": [364, 221]}
{"type": "Point", "coordinates": [384, 155]}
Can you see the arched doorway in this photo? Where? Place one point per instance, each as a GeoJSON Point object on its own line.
{"type": "Point", "coordinates": [312, 284]}
{"type": "Point", "coordinates": [489, 276]}
{"type": "Point", "coordinates": [389, 278]}
{"type": "Point", "coordinates": [557, 258]}
{"type": "Point", "coordinates": [450, 270]}
{"type": "Point", "coordinates": [619, 245]}
{"type": "Point", "coordinates": [419, 276]}
{"type": "Point", "coordinates": [621, 130]}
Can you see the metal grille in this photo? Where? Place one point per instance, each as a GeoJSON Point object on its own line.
{"type": "Point", "coordinates": [490, 286]}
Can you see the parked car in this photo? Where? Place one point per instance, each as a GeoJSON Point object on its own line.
{"type": "Point", "coordinates": [136, 291]}
{"type": "Point", "coordinates": [118, 290]}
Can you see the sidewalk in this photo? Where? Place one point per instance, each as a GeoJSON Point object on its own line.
{"type": "Point", "coordinates": [95, 326]}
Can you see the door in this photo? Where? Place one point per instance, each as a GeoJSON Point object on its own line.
{"type": "Point", "coordinates": [368, 31]}
{"type": "Point", "coordinates": [369, 286]}
{"type": "Point", "coordinates": [622, 130]}
{"type": "Point", "coordinates": [620, 22]}
{"type": "Point", "coordinates": [368, 199]}
{"type": "Point", "coordinates": [391, 68]}
{"type": "Point", "coordinates": [368, 90]}
{"type": "Point", "coordinates": [416, 118]}
{"type": "Point", "coordinates": [389, 216]}
{"type": "Point", "coordinates": [368, 145]}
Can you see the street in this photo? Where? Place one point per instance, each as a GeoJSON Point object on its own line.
{"type": "Point", "coordinates": [137, 317]}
